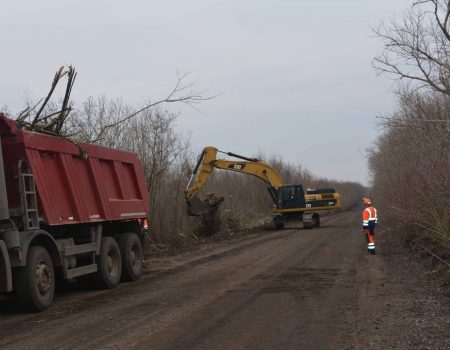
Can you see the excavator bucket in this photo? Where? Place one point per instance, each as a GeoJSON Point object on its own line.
{"type": "Point", "coordinates": [197, 207]}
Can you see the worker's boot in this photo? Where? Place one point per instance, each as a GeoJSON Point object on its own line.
{"type": "Point", "coordinates": [371, 243]}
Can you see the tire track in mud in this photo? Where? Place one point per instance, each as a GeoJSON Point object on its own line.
{"type": "Point", "coordinates": [181, 298]}
{"type": "Point", "coordinates": [8, 305]}
{"type": "Point", "coordinates": [312, 292]}
{"type": "Point", "coordinates": [107, 319]}
{"type": "Point", "coordinates": [305, 236]}
{"type": "Point", "coordinates": [217, 310]}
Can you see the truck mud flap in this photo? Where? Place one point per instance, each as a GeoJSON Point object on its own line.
{"type": "Point", "coordinates": [5, 269]}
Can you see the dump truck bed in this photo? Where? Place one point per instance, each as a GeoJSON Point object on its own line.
{"type": "Point", "coordinates": [75, 182]}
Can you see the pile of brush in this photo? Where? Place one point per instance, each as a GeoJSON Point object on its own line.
{"type": "Point", "coordinates": [45, 117]}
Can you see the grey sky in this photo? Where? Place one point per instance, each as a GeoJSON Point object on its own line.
{"type": "Point", "coordinates": [295, 74]}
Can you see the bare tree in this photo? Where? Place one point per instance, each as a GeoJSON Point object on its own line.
{"type": "Point", "coordinates": [95, 115]}
{"type": "Point", "coordinates": [50, 118]}
{"type": "Point", "coordinates": [417, 47]}
{"type": "Point", "coordinates": [411, 169]}
{"type": "Point", "coordinates": [181, 93]}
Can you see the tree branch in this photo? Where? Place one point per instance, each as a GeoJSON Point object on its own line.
{"type": "Point", "coordinates": [189, 98]}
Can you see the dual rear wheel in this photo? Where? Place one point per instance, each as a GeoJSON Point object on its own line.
{"type": "Point", "coordinates": [122, 259]}
{"type": "Point", "coordinates": [35, 282]}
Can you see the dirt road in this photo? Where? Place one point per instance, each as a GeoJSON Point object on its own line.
{"type": "Point", "coordinates": [290, 289]}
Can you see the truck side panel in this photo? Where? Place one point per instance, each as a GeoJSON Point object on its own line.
{"type": "Point", "coordinates": [83, 194]}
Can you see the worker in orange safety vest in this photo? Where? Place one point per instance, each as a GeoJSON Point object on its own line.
{"type": "Point", "coordinates": [370, 219]}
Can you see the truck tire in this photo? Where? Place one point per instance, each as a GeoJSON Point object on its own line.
{"type": "Point", "coordinates": [109, 264]}
{"type": "Point", "coordinates": [132, 256]}
{"type": "Point", "coordinates": [35, 282]}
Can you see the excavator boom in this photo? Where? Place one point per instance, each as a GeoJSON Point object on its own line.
{"type": "Point", "coordinates": [207, 161]}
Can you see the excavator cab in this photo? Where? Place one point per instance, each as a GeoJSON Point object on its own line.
{"type": "Point", "coordinates": [291, 196]}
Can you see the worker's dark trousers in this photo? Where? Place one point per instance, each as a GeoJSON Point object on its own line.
{"type": "Point", "coordinates": [370, 236]}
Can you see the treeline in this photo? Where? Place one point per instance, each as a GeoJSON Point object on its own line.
{"type": "Point", "coordinates": [411, 170]}
{"type": "Point", "coordinates": [410, 163]}
{"type": "Point", "coordinates": [247, 201]}
{"type": "Point", "coordinates": [168, 160]}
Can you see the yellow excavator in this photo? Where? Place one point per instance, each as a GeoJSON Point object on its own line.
{"type": "Point", "coordinates": [291, 203]}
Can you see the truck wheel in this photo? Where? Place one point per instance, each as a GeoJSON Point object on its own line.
{"type": "Point", "coordinates": [35, 282]}
{"type": "Point", "coordinates": [132, 256]}
{"type": "Point", "coordinates": [109, 264]}
{"type": "Point", "coordinates": [279, 225]}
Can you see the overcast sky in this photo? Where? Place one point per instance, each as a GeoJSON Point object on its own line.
{"type": "Point", "coordinates": [294, 76]}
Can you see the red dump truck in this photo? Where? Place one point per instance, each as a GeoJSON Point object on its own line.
{"type": "Point", "coordinates": [67, 210]}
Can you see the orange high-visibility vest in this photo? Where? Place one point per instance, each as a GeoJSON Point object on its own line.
{"type": "Point", "coordinates": [369, 214]}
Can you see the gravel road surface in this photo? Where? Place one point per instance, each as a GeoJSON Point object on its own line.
{"type": "Point", "coordinates": [289, 289]}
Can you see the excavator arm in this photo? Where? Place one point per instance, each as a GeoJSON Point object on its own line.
{"type": "Point", "coordinates": [208, 161]}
